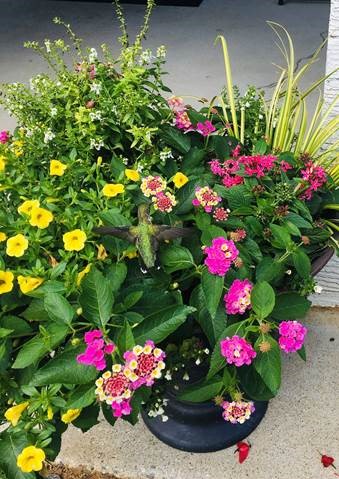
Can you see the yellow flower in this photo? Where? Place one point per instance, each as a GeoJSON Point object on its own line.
{"type": "Point", "coordinates": [56, 168]}
{"type": "Point", "coordinates": [2, 162]}
{"type": "Point", "coordinates": [6, 281]}
{"type": "Point", "coordinates": [179, 179]}
{"type": "Point", "coordinates": [70, 415]}
{"type": "Point", "coordinates": [110, 189]}
{"type": "Point", "coordinates": [132, 175]}
{"type": "Point", "coordinates": [83, 273]}
{"type": "Point", "coordinates": [40, 218]}
{"type": "Point", "coordinates": [17, 148]}
{"type": "Point", "coordinates": [13, 414]}
{"type": "Point", "coordinates": [16, 245]}
{"type": "Point", "coordinates": [3, 236]}
{"type": "Point", "coordinates": [27, 206]}
{"type": "Point", "coordinates": [31, 459]}
{"type": "Point", "coordinates": [28, 283]}
{"type": "Point", "coordinates": [74, 240]}
{"type": "Point", "coordinates": [102, 253]}
{"type": "Point", "coordinates": [130, 254]}
{"type": "Point", "coordinates": [50, 413]}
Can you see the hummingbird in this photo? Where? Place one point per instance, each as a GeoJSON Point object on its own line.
{"type": "Point", "coordinates": [146, 236]}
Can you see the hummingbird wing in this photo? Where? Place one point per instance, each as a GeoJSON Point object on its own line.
{"type": "Point", "coordinates": [169, 233]}
{"type": "Point", "coordinates": [122, 232]}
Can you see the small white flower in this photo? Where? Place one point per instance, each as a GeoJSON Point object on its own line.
{"type": "Point", "coordinates": [289, 272]}
{"type": "Point", "coordinates": [125, 161]}
{"type": "Point", "coordinates": [165, 154]}
{"type": "Point", "coordinates": [206, 351]}
{"type": "Point", "coordinates": [164, 418]}
{"type": "Point", "coordinates": [247, 104]}
{"type": "Point", "coordinates": [96, 88]}
{"type": "Point", "coordinates": [318, 289]}
{"type": "Point", "coordinates": [186, 377]}
{"type": "Point", "coordinates": [260, 116]}
{"type": "Point", "coordinates": [49, 135]}
{"type": "Point", "coordinates": [48, 46]}
{"type": "Point", "coordinates": [161, 410]}
{"type": "Point", "coordinates": [54, 111]}
{"type": "Point", "coordinates": [168, 376]}
{"type": "Point", "coordinates": [95, 115]}
{"type": "Point", "coordinates": [146, 57]}
{"type": "Point", "coordinates": [93, 55]}
{"type": "Point", "coordinates": [198, 361]}
{"type": "Point", "coordinates": [96, 144]}
{"type": "Point", "coordinates": [151, 413]}
{"type": "Point", "coordinates": [161, 52]}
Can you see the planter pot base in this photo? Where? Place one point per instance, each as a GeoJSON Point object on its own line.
{"type": "Point", "coordinates": [200, 427]}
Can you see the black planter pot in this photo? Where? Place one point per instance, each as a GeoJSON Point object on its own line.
{"type": "Point", "coordinates": [200, 427]}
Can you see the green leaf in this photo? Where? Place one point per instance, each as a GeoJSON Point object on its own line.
{"type": "Point", "coordinates": [268, 364]}
{"type": "Point", "coordinates": [116, 275]}
{"type": "Point", "coordinates": [298, 220]}
{"type": "Point", "coordinates": [212, 232]}
{"type": "Point", "coordinates": [302, 353]}
{"type": "Point", "coordinates": [160, 326]}
{"type": "Point", "coordinates": [254, 224]}
{"type": "Point", "coordinates": [281, 236]}
{"type": "Point", "coordinates": [292, 229]}
{"type": "Point", "coordinates": [108, 414]}
{"type": "Point", "coordinates": [35, 311]}
{"type": "Point", "coordinates": [184, 197]}
{"type": "Point", "coordinates": [253, 249]}
{"type": "Point", "coordinates": [174, 138]}
{"type": "Point", "coordinates": [290, 306]}
{"type": "Point", "coordinates": [175, 258]}
{"type": "Point", "coordinates": [17, 325]}
{"type": "Point", "coordinates": [204, 391]}
{"type": "Point", "coordinates": [132, 298]}
{"type": "Point", "coordinates": [5, 332]}
{"type": "Point", "coordinates": [192, 160]}
{"type": "Point", "coordinates": [253, 385]}
{"type": "Point", "coordinates": [88, 418]}
{"type": "Point", "coordinates": [36, 348]}
{"type": "Point", "coordinates": [202, 220]}
{"type": "Point", "coordinates": [48, 287]}
{"type": "Point", "coordinates": [125, 339]}
{"type": "Point", "coordinates": [260, 147]}
{"type": "Point", "coordinates": [11, 445]}
{"type": "Point", "coordinates": [58, 308]}
{"type": "Point", "coordinates": [64, 369]}
{"type": "Point", "coordinates": [96, 298]}
{"type": "Point", "coordinates": [113, 217]}
{"type": "Point", "coordinates": [262, 299]}
{"type": "Point", "coordinates": [302, 263]}
{"type": "Point", "coordinates": [269, 270]}
{"type": "Point", "coordinates": [212, 286]}
{"type": "Point", "coordinates": [140, 396]}
{"type": "Point", "coordinates": [221, 146]}
{"type": "Point", "coordinates": [238, 196]}
{"type": "Point", "coordinates": [211, 327]}
{"type": "Point", "coordinates": [217, 360]}
{"type": "Point", "coordinates": [81, 397]}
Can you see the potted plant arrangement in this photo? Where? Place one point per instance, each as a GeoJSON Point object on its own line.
{"type": "Point", "coordinates": [154, 257]}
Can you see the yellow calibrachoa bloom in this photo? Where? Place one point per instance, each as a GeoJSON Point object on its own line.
{"type": "Point", "coordinates": [102, 253]}
{"type": "Point", "coordinates": [3, 236]}
{"type": "Point", "coordinates": [6, 281]}
{"type": "Point", "coordinates": [2, 162]}
{"type": "Point", "coordinates": [41, 218]}
{"type": "Point", "coordinates": [16, 245]}
{"type": "Point", "coordinates": [74, 240]}
{"type": "Point", "coordinates": [179, 180]}
{"type": "Point", "coordinates": [83, 273]}
{"type": "Point", "coordinates": [70, 416]}
{"type": "Point", "coordinates": [28, 283]}
{"type": "Point", "coordinates": [31, 459]}
{"type": "Point", "coordinates": [113, 189]}
{"type": "Point", "coordinates": [27, 206]}
{"type": "Point", "coordinates": [56, 168]}
{"type": "Point", "coordinates": [13, 414]}
{"type": "Point", "coordinates": [132, 175]}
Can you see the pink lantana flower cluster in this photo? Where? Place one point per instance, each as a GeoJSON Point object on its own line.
{"type": "Point", "coordinates": [237, 411]}
{"type": "Point", "coordinates": [238, 298]}
{"type": "Point", "coordinates": [206, 197]}
{"type": "Point", "coordinates": [237, 351]}
{"type": "Point", "coordinates": [182, 120]}
{"type": "Point", "coordinates": [155, 187]}
{"type": "Point", "coordinates": [221, 214]}
{"type": "Point", "coordinates": [227, 171]}
{"type": "Point", "coordinates": [238, 235]}
{"type": "Point", "coordinates": [258, 165]}
{"type": "Point", "coordinates": [4, 136]}
{"type": "Point", "coordinates": [292, 336]}
{"type": "Point", "coordinates": [142, 366]}
{"type": "Point", "coordinates": [220, 255]}
{"type": "Point", "coordinates": [315, 177]}
{"type": "Point", "coordinates": [96, 350]}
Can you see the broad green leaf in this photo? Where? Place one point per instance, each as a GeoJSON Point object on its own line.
{"type": "Point", "coordinates": [254, 224]}
{"type": "Point", "coordinates": [202, 220]}
{"type": "Point", "coordinates": [64, 369]}
{"type": "Point", "coordinates": [17, 325]}
{"type": "Point", "coordinates": [11, 445]}
{"type": "Point", "coordinates": [58, 308]}
{"type": "Point", "coordinates": [36, 348]}
{"type": "Point", "coordinates": [217, 360]}
{"type": "Point", "coordinates": [292, 229]}
{"type": "Point", "coordinates": [160, 326]}
{"type": "Point", "coordinates": [132, 298]}
{"type": "Point", "coordinates": [211, 327]}
{"type": "Point", "coordinates": [48, 287]}
{"type": "Point", "coordinates": [262, 299]}
{"type": "Point", "coordinates": [192, 160]}
{"type": "Point", "coordinates": [302, 263]}
{"type": "Point", "coordinates": [125, 339]}
{"type": "Point", "coordinates": [5, 332]}
{"type": "Point", "coordinates": [212, 287]}
{"type": "Point", "coordinates": [204, 391]}
{"type": "Point", "coordinates": [302, 353]}
{"type": "Point", "coordinates": [108, 414]}
{"type": "Point", "coordinates": [260, 147]}
{"type": "Point", "coordinates": [185, 197]}
{"type": "Point", "coordinates": [88, 418]}
{"type": "Point", "coordinates": [290, 306]}
{"type": "Point", "coordinates": [113, 217]}
{"type": "Point", "coordinates": [175, 258]}
{"type": "Point", "coordinates": [175, 138]}
{"type": "Point", "coordinates": [269, 270]}
{"type": "Point", "coordinates": [210, 233]}
{"type": "Point", "coordinates": [268, 364]}
{"type": "Point", "coordinates": [221, 146]}
{"type": "Point", "coordinates": [281, 236]}
{"type": "Point", "coordinates": [140, 396]}
{"type": "Point", "coordinates": [81, 397]}
{"type": "Point", "coordinates": [238, 196]}
{"type": "Point", "coordinates": [35, 311]}
{"type": "Point", "coordinates": [298, 220]}
{"type": "Point", "coordinates": [253, 385]}
{"type": "Point", "coordinates": [96, 298]}
{"type": "Point", "coordinates": [116, 275]}
{"type": "Point", "coordinates": [253, 249]}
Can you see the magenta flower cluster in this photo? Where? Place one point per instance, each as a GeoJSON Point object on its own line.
{"type": "Point", "coordinates": [237, 351]}
{"type": "Point", "coordinates": [292, 336]}
{"type": "Point", "coordinates": [206, 197]}
{"type": "Point", "coordinates": [220, 255]}
{"type": "Point", "coordinates": [96, 350]}
{"type": "Point", "coordinates": [182, 120]}
{"type": "Point", "coordinates": [237, 411]}
{"type": "Point", "coordinates": [314, 177]}
{"type": "Point", "coordinates": [4, 136]}
{"type": "Point", "coordinates": [238, 298]}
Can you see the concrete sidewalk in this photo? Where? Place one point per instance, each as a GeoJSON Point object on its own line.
{"type": "Point", "coordinates": [301, 421]}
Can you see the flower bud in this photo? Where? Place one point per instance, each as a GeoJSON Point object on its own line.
{"type": "Point", "coordinates": [90, 104]}
{"type": "Point", "coordinates": [79, 311]}
{"type": "Point", "coordinates": [265, 328]}
{"type": "Point", "coordinates": [305, 240]}
{"type": "Point", "coordinates": [265, 347]}
{"type": "Point", "coordinates": [75, 341]}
